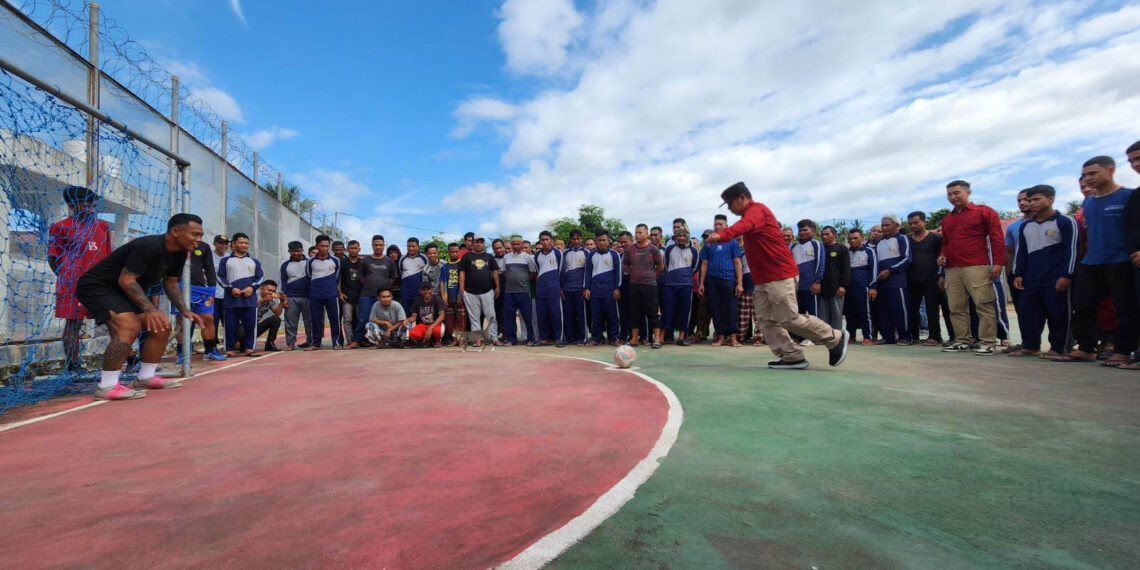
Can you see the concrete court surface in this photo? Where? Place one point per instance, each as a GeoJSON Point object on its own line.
{"type": "Point", "coordinates": [904, 457]}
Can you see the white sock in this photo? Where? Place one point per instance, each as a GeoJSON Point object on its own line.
{"type": "Point", "coordinates": [146, 370]}
{"type": "Point", "coordinates": [108, 378]}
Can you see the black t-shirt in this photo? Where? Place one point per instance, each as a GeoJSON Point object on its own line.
{"type": "Point", "coordinates": [478, 269]}
{"type": "Point", "coordinates": [924, 257]}
{"type": "Point", "coordinates": [427, 312]}
{"type": "Point", "coordinates": [202, 266]}
{"type": "Point", "coordinates": [145, 256]}
{"type": "Point", "coordinates": [350, 278]}
{"type": "Point", "coordinates": [377, 274]}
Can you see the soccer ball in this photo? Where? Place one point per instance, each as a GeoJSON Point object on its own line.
{"type": "Point", "coordinates": [373, 333]}
{"type": "Point", "coordinates": [624, 356]}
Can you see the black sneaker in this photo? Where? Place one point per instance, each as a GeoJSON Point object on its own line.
{"type": "Point", "coordinates": [837, 354]}
{"type": "Point", "coordinates": [782, 365]}
{"type": "Point", "coordinates": [684, 342]}
{"type": "Point", "coordinates": [303, 345]}
{"type": "Point", "coordinates": [270, 347]}
{"type": "Point", "coordinates": [655, 345]}
{"type": "Point", "coordinates": [954, 346]}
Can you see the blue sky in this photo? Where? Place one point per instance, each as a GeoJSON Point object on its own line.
{"type": "Point", "coordinates": [499, 116]}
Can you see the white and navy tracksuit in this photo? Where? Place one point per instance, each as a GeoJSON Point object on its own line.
{"type": "Point", "coordinates": [324, 297]}
{"type": "Point", "coordinates": [1043, 253]}
{"type": "Point", "coordinates": [411, 277]}
{"type": "Point", "coordinates": [238, 273]}
{"type": "Point", "coordinates": [548, 295]}
{"type": "Point", "coordinates": [810, 261]}
{"type": "Point", "coordinates": [891, 303]}
{"type": "Point", "coordinates": [295, 285]}
{"type": "Point", "coordinates": [602, 277]}
{"type": "Point", "coordinates": [864, 278]}
{"type": "Point", "coordinates": [573, 276]}
{"type": "Point", "coordinates": [677, 301]}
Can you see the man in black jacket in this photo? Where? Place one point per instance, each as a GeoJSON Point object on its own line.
{"type": "Point", "coordinates": [836, 278]}
{"type": "Point", "coordinates": [922, 279]}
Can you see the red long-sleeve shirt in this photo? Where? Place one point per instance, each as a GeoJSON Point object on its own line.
{"type": "Point", "coordinates": [769, 258]}
{"type": "Point", "coordinates": [972, 236]}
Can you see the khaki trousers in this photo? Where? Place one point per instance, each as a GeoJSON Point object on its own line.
{"type": "Point", "coordinates": [777, 314]}
{"type": "Point", "coordinates": [963, 284]}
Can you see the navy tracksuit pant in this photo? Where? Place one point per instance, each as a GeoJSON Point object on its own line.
{"type": "Point", "coordinates": [549, 310]}
{"type": "Point", "coordinates": [574, 317]}
{"type": "Point", "coordinates": [857, 310]}
{"type": "Point", "coordinates": [723, 305]}
{"type": "Point", "coordinates": [891, 305]}
{"type": "Point", "coordinates": [676, 306]}
{"type": "Point", "coordinates": [516, 303]}
{"type": "Point", "coordinates": [245, 317]}
{"type": "Point", "coordinates": [317, 310]}
{"type": "Point", "coordinates": [604, 307]}
{"type": "Point", "coordinates": [1038, 306]}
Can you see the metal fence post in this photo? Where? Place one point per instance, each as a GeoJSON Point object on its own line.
{"type": "Point", "coordinates": [174, 183]}
{"type": "Point", "coordinates": [187, 348]}
{"type": "Point", "coordinates": [92, 170]}
{"type": "Point", "coordinates": [256, 201]}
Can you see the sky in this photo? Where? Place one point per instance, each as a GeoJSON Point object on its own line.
{"type": "Point", "coordinates": [418, 118]}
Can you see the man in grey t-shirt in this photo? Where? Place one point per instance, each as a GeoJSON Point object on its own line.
{"type": "Point", "coordinates": [518, 269]}
{"type": "Point", "coordinates": [387, 322]}
{"type": "Point", "coordinates": [377, 273]}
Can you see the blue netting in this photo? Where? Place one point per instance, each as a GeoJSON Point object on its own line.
{"type": "Point", "coordinates": [42, 151]}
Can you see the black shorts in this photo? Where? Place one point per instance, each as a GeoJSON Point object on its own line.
{"type": "Point", "coordinates": [102, 301]}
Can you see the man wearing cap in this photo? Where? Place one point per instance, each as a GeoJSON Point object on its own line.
{"type": "Point", "coordinates": [77, 243]}
{"type": "Point", "coordinates": [221, 250]}
{"type": "Point", "coordinates": [518, 270]}
{"type": "Point", "coordinates": [774, 272]}
{"type": "Point", "coordinates": [479, 284]}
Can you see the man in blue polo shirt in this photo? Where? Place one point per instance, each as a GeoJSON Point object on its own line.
{"type": "Point", "coordinates": [722, 280]}
{"type": "Point", "coordinates": [1106, 269]}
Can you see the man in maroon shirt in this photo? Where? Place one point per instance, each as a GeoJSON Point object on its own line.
{"type": "Point", "coordinates": [973, 253]}
{"type": "Point", "coordinates": [774, 272]}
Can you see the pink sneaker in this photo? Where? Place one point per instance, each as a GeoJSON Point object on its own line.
{"type": "Point", "coordinates": [155, 383]}
{"type": "Point", "coordinates": [118, 392]}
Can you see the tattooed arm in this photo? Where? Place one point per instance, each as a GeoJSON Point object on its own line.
{"type": "Point", "coordinates": [153, 320]}
{"type": "Point", "coordinates": [170, 285]}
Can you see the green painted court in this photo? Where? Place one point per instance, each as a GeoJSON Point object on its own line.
{"type": "Point", "coordinates": [904, 457]}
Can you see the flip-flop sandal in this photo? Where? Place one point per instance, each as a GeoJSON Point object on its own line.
{"type": "Point", "coordinates": [737, 344]}
{"type": "Point", "coordinates": [1010, 349]}
{"type": "Point", "coordinates": [930, 342]}
{"type": "Point", "coordinates": [1021, 353]}
{"type": "Point", "coordinates": [1049, 354]}
{"type": "Point", "coordinates": [1070, 358]}
{"type": "Point", "coordinates": [1134, 365]}
{"type": "Point", "coordinates": [1114, 363]}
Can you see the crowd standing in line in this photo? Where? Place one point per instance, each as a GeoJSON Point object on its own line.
{"type": "Point", "coordinates": [754, 281]}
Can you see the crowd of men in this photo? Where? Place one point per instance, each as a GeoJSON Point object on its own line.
{"type": "Point", "coordinates": [754, 282]}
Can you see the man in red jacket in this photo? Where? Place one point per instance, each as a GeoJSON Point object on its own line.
{"type": "Point", "coordinates": [775, 273]}
{"type": "Point", "coordinates": [973, 253]}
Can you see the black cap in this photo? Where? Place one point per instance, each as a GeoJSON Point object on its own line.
{"type": "Point", "coordinates": [78, 195]}
{"type": "Point", "coordinates": [733, 192]}
{"type": "Point", "coordinates": [221, 238]}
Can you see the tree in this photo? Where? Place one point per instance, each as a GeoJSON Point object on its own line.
{"type": "Point", "coordinates": [934, 219]}
{"type": "Point", "coordinates": [287, 194]}
{"type": "Point", "coordinates": [440, 242]}
{"type": "Point", "coordinates": [590, 218]}
{"type": "Point", "coordinates": [1072, 207]}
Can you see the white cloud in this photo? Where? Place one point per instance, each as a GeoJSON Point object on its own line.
{"type": "Point", "coordinates": [265, 137]}
{"type": "Point", "coordinates": [221, 102]}
{"type": "Point", "coordinates": [855, 114]}
{"type": "Point", "coordinates": [481, 109]}
{"type": "Point", "coordinates": [235, 7]}
{"type": "Point", "coordinates": [535, 34]}
{"type": "Point", "coordinates": [364, 210]}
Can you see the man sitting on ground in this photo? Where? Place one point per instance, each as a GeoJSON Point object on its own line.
{"type": "Point", "coordinates": [387, 324]}
{"type": "Point", "coordinates": [428, 314]}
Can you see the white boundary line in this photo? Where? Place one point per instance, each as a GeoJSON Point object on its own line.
{"type": "Point", "coordinates": [14, 425]}
{"type": "Point", "coordinates": [550, 546]}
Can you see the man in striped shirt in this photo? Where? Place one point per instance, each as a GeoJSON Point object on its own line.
{"type": "Point", "coordinates": [573, 278]}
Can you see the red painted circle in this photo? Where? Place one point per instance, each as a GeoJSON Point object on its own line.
{"type": "Point", "coordinates": [395, 459]}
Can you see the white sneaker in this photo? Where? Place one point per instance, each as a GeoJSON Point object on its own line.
{"type": "Point", "coordinates": [806, 342]}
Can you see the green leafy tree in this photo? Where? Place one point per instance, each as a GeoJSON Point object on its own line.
{"type": "Point", "coordinates": [440, 242]}
{"type": "Point", "coordinates": [287, 194]}
{"type": "Point", "coordinates": [590, 217]}
{"type": "Point", "coordinates": [934, 219]}
{"type": "Point", "coordinates": [1072, 207]}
